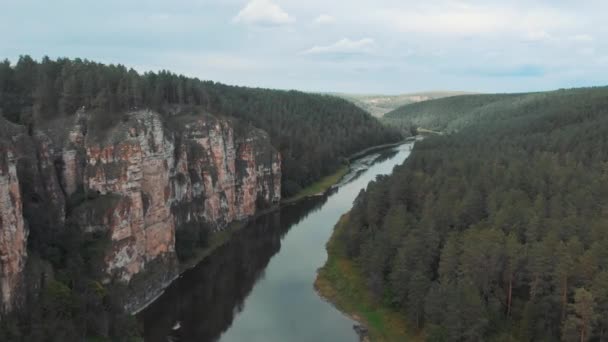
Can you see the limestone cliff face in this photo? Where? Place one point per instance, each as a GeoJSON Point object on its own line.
{"type": "Point", "coordinates": [13, 232]}
{"type": "Point", "coordinates": [219, 178]}
{"type": "Point", "coordinates": [142, 180]}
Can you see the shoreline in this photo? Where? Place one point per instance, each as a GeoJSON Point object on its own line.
{"type": "Point", "coordinates": [340, 283]}
{"type": "Point", "coordinates": [222, 237]}
{"type": "Point", "coordinates": [376, 148]}
{"type": "Point", "coordinates": [325, 184]}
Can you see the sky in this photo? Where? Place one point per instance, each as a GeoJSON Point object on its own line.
{"type": "Point", "coordinates": [354, 46]}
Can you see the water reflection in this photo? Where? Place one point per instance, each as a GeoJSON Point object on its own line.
{"type": "Point", "coordinates": [243, 292]}
{"type": "Point", "coordinates": [203, 303]}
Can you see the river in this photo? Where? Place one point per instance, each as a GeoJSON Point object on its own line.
{"type": "Point", "coordinates": [259, 285]}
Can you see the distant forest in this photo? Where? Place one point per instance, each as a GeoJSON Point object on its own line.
{"type": "Point", "coordinates": [314, 133]}
{"type": "Point", "coordinates": [499, 230]}
{"type": "Point", "coordinates": [451, 114]}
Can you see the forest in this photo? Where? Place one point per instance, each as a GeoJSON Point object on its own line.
{"type": "Point", "coordinates": [314, 133]}
{"type": "Point", "coordinates": [496, 231]}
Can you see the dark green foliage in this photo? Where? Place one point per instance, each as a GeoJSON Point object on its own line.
{"type": "Point", "coordinates": [312, 132]}
{"type": "Point", "coordinates": [498, 231]}
{"type": "Point", "coordinates": [65, 300]}
{"type": "Point", "coordinates": [72, 304]}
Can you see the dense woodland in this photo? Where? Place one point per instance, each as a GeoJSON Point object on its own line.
{"type": "Point", "coordinates": [64, 299]}
{"type": "Point", "coordinates": [498, 231]}
{"type": "Point", "coordinates": [314, 133]}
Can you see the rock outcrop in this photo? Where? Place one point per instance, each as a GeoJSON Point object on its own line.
{"type": "Point", "coordinates": [136, 183]}
{"type": "Point", "coordinates": [13, 232]}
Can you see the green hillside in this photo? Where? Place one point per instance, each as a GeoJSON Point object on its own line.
{"type": "Point", "coordinates": [496, 232]}
{"type": "Point", "coordinates": [454, 113]}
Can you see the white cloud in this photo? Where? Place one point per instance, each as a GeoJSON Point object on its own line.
{"type": "Point", "coordinates": [543, 36]}
{"type": "Point", "coordinates": [324, 19]}
{"type": "Point", "coordinates": [263, 12]}
{"type": "Point", "coordinates": [343, 46]}
{"type": "Point", "coordinates": [582, 38]}
{"type": "Point", "coordinates": [538, 36]}
{"type": "Point", "coordinates": [452, 19]}
{"type": "Point", "coordinates": [417, 43]}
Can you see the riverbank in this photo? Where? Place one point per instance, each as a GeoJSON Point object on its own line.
{"type": "Point", "coordinates": [341, 283]}
{"type": "Point", "coordinates": [219, 238]}
{"type": "Point", "coordinates": [319, 187]}
{"type": "Point", "coordinates": [377, 148]}
{"type": "Point", "coordinates": [423, 131]}
{"type": "Point", "coordinates": [324, 184]}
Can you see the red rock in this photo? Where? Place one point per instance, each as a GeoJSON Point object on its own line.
{"type": "Point", "coordinates": [151, 180]}
{"type": "Point", "coordinates": [13, 233]}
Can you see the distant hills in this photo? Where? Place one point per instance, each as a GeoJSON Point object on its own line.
{"type": "Point", "coordinates": [378, 105]}
{"type": "Point", "coordinates": [452, 114]}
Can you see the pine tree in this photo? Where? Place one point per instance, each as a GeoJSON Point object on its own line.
{"type": "Point", "coordinates": [582, 315]}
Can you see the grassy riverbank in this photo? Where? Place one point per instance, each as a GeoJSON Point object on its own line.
{"type": "Point", "coordinates": [340, 281]}
{"type": "Point", "coordinates": [321, 185]}
{"type": "Point", "coordinates": [423, 131]}
{"type": "Point", "coordinates": [218, 239]}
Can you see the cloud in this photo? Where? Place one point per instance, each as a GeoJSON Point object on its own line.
{"type": "Point", "coordinates": [508, 71]}
{"type": "Point", "coordinates": [343, 46]}
{"type": "Point", "coordinates": [543, 36]}
{"type": "Point", "coordinates": [416, 44]}
{"type": "Point", "coordinates": [538, 36]}
{"type": "Point", "coordinates": [324, 19]}
{"type": "Point", "coordinates": [263, 12]}
{"type": "Point", "coordinates": [581, 38]}
{"type": "Point", "coordinates": [457, 19]}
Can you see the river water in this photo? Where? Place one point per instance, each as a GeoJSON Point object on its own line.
{"type": "Point", "coordinates": [259, 285]}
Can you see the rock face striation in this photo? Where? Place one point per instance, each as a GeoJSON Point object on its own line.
{"type": "Point", "coordinates": [13, 233]}
{"type": "Point", "coordinates": [137, 183]}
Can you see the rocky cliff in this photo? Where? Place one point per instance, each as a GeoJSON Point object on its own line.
{"type": "Point", "coordinates": [136, 183]}
{"type": "Point", "coordinates": [13, 233]}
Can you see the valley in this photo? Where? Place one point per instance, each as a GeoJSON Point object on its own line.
{"type": "Point", "coordinates": [156, 206]}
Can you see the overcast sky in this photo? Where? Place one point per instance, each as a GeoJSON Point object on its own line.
{"type": "Point", "coordinates": [372, 46]}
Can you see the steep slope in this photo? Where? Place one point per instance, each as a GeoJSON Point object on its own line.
{"type": "Point", "coordinates": [13, 232]}
{"type": "Point", "coordinates": [378, 105]}
{"type": "Point", "coordinates": [498, 230]}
